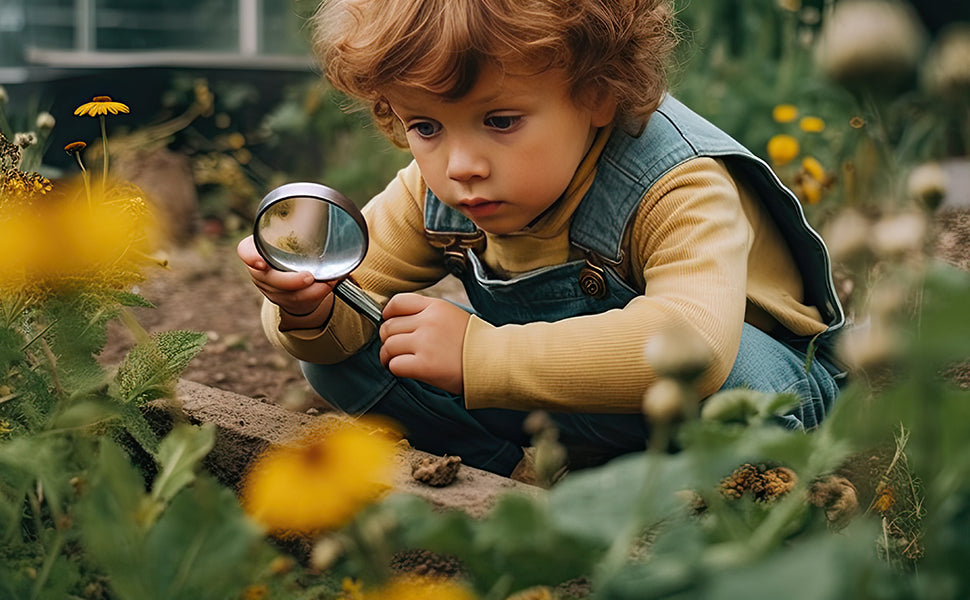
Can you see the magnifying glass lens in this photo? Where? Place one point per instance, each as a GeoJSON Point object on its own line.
{"type": "Point", "coordinates": [305, 234]}
{"type": "Point", "coordinates": [310, 227]}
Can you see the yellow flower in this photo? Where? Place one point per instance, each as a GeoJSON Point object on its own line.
{"type": "Point", "coordinates": [809, 190]}
{"type": "Point", "coordinates": [75, 147]}
{"type": "Point", "coordinates": [811, 124]}
{"type": "Point", "coordinates": [419, 588]}
{"type": "Point", "coordinates": [784, 113]}
{"type": "Point", "coordinates": [351, 589]}
{"type": "Point", "coordinates": [812, 167]}
{"type": "Point", "coordinates": [256, 592]}
{"type": "Point", "coordinates": [66, 245]}
{"type": "Point", "coordinates": [782, 149]}
{"type": "Point", "coordinates": [322, 480]}
{"type": "Point", "coordinates": [101, 105]}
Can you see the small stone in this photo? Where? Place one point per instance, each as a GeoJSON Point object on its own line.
{"type": "Point", "coordinates": [436, 471]}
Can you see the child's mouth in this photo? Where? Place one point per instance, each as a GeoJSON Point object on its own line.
{"type": "Point", "coordinates": [480, 208]}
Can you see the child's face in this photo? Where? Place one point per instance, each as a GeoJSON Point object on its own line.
{"type": "Point", "coordinates": [506, 151]}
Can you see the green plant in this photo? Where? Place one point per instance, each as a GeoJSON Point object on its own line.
{"type": "Point", "coordinates": [94, 501]}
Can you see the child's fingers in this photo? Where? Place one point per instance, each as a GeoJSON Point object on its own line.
{"type": "Point", "coordinates": [246, 249]}
{"type": "Point", "coordinates": [406, 304]}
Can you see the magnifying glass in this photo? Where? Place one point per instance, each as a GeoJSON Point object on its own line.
{"type": "Point", "coordinates": [310, 227]}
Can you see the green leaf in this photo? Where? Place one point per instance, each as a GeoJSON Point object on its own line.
{"type": "Point", "coordinates": [151, 369]}
{"type": "Point", "coordinates": [203, 547]}
{"type": "Point", "coordinates": [179, 455]}
{"type": "Point", "coordinates": [131, 299]}
{"type": "Point", "coordinates": [641, 491]}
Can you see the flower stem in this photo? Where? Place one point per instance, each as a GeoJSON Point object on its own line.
{"type": "Point", "coordinates": [104, 141]}
{"type": "Point", "coordinates": [84, 177]}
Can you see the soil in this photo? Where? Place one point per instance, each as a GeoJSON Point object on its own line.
{"type": "Point", "coordinates": [207, 289]}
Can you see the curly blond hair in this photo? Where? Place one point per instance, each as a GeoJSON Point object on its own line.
{"type": "Point", "coordinates": [616, 47]}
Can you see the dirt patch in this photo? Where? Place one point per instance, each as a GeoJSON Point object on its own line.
{"type": "Point", "coordinates": [207, 289]}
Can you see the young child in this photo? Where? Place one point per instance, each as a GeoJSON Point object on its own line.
{"type": "Point", "coordinates": [584, 210]}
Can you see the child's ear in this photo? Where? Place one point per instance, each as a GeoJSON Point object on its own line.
{"type": "Point", "coordinates": [603, 108]}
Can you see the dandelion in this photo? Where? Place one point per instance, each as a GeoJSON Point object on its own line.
{"type": "Point", "coordinates": [322, 480]}
{"type": "Point", "coordinates": [784, 113]}
{"type": "Point", "coordinates": [814, 169]}
{"type": "Point", "coordinates": [809, 190]}
{"type": "Point", "coordinates": [99, 107]}
{"type": "Point", "coordinates": [62, 246]}
{"type": "Point", "coordinates": [418, 588]}
{"type": "Point", "coordinates": [782, 149]}
{"type": "Point", "coordinates": [811, 124]}
{"type": "Point", "coordinates": [351, 589]}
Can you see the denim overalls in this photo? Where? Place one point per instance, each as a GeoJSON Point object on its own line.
{"type": "Point", "coordinates": [437, 421]}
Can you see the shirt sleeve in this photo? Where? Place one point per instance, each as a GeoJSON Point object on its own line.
{"type": "Point", "coordinates": [399, 259]}
{"type": "Point", "coordinates": [690, 242]}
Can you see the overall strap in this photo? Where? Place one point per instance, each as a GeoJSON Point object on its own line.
{"type": "Point", "coordinates": [629, 166]}
{"type": "Point", "coordinates": [674, 134]}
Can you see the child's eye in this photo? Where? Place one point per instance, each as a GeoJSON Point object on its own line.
{"type": "Point", "coordinates": [425, 128]}
{"type": "Point", "coordinates": [502, 122]}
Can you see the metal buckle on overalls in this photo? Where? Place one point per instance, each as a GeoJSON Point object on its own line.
{"type": "Point", "coordinates": [455, 245]}
{"type": "Point", "coordinates": [592, 277]}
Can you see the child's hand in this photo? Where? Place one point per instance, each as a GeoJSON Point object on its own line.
{"type": "Point", "coordinates": [297, 294]}
{"type": "Point", "coordinates": [422, 339]}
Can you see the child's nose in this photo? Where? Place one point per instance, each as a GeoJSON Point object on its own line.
{"type": "Point", "coordinates": [465, 163]}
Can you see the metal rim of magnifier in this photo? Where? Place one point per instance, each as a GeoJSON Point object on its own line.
{"type": "Point", "coordinates": [305, 189]}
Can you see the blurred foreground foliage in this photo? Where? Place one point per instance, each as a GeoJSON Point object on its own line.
{"type": "Point", "coordinates": [93, 504]}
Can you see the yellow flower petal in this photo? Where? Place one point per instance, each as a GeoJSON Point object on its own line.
{"type": "Point", "coordinates": [419, 588]}
{"type": "Point", "coordinates": [812, 124]}
{"type": "Point", "coordinates": [321, 481]}
{"type": "Point", "coordinates": [809, 190]}
{"type": "Point", "coordinates": [784, 113]}
{"type": "Point", "coordinates": [101, 105]}
{"type": "Point", "coordinates": [812, 167]}
{"type": "Point", "coordinates": [782, 149]}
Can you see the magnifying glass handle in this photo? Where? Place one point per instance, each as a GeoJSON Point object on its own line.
{"type": "Point", "coordinates": [350, 292]}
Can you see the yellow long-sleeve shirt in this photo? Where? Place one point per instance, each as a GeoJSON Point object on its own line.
{"type": "Point", "coordinates": [701, 247]}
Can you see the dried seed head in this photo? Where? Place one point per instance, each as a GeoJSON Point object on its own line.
{"type": "Point", "coordinates": [325, 552]}
{"type": "Point", "coordinates": [927, 184]}
{"type": "Point", "coordinates": [947, 70]}
{"type": "Point", "coordinates": [899, 234]}
{"type": "Point", "coordinates": [45, 121]}
{"type": "Point", "coordinates": [870, 346]}
{"type": "Point", "coordinates": [847, 235]}
{"type": "Point", "coordinates": [664, 401]}
{"type": "Point", "coordinates": [678, 352]}
{"type": "Point", "coordinates": [872, 43]}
